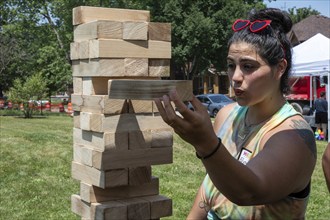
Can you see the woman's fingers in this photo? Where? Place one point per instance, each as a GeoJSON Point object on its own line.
{"type": "Point", "coordinates": [166, 110]}
{"type": "Point", "coordinates": [181, 107]}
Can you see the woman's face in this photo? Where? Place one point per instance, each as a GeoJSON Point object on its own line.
{"type": "Point", "coordinates": [251, 77]}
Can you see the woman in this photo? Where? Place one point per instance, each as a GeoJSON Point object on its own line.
{"type": "Point", "coordinates": [259, 154]}
{"type": "Point", "coordinates": [326, 165]}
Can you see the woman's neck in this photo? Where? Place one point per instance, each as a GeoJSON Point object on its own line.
{"type": "Point", "coordinates": [261, 112]}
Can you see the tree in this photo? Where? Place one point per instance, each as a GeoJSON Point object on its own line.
{"type": "Point", "coordinates": [33, 88]}
{"type": "Point", "coordinates": [200, 30]}
{"type": "Point", "coordinates": [10, 52]}
{"type": "Point", "coordinates": [298, 14]}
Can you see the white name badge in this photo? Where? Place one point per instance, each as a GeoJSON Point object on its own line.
{"type": "Point", "coordinates": [244, 156]}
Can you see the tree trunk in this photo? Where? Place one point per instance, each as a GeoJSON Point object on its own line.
{"type": "Point", "coordinates": [58, 37]}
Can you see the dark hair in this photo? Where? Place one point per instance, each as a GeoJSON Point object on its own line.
{"type": "Point", "coordinates": [271, 43]}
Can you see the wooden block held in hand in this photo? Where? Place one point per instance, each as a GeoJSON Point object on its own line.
{"type": "Point", "coordinates": [149, 89]}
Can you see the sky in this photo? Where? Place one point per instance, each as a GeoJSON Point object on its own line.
{"type": "Point", "coordinates": [323, 6]}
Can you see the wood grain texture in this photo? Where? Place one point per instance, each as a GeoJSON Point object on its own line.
{"type": "Point", "coordinates": [142, 106]}
{"type": "Point", "coordinates": [137, 208]}
{"type": "Point", "coordinates": [118, 159]}
{"type": "Point", "coordinates": [114, 67]}
{"type": "Point", "coordinates": [114, 48]}
{"type": "Point", "coordinates": [84, 14]}
{"type": "Point", "coordinates": [98, 104]}
{"type": "Point", "coordinates": [160, 206]}
{"type": "Point", "coordinates": [135, 30]}
{"type": "Point", "coordinates": [77, 85]}
{"type": "Point", "coordinates": [74, 51]}
{"type": "Point", "coordinates": [139, 175]}
{"type": "Point", "coordinates": [98, 29]}
{"type": "Point", "coordinates": [90, 193]}
{"type": "Point", "coordinates": [101, 141]}
{"type": "Point", "coordinates": [101, 211]}
{"type": "Point", "coordinates": [160, 31]}
{"type": "Point", "coordinates": [111, 210]}
{"type": "Point", "coordinates": [149, 89]}
{"type": "Point", "coordinates": [159, 67]}
{"type": "Point", "coordinates": [99, 178]}
{"type": "Point", "coordinates": [125, 131]}
{"type": "Point", "coordinates": [80, 207]}
{"type": "Point", "coordinates": [99, 67]}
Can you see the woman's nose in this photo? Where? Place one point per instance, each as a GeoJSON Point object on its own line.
{"type": "Point", "coordinates": [237, 75]}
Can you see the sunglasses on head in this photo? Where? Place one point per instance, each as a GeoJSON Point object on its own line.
{"type": "Point", "coordinates": [255, 26]}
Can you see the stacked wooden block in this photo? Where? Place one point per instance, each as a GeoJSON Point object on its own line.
{"type": "Point", "coordinates": [118, 59]}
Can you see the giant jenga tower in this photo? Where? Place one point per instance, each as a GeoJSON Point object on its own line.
{"type": "Point", "coordinates": [118, 58]}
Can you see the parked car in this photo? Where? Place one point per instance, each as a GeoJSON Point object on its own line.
{"type": "Point", "coordinates": [213, 102]}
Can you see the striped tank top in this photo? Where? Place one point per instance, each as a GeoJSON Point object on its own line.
{"type": "Point", "coordinates": [230, 133]}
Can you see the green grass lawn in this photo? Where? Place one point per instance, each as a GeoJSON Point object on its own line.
{"type": "Point", "coordinates": [36, 183]}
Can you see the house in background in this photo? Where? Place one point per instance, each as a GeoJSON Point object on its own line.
{"type": "Point", "coordinates": [309, 27]}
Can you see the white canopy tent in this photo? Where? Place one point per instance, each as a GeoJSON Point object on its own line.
{"type": "Point", "coordinates": [312, 58]}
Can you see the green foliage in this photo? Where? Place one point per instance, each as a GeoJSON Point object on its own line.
{"type": "Point", "coordinates": [298, 14]}
{"type": "Point", "coordinates": [34, 88]}
{"type": "Point", "coordinates": [37, 34]}
{"type": "Point", "coordinates": [200, 30]}
{"type": "Point", "coordinates": [56, 71]}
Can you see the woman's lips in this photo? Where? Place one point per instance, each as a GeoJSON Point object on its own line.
{"type": "Point", "coordinates": [238, 92]}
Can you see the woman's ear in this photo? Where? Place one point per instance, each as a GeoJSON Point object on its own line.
{"type": "Point", "coordinates": [281, 67]}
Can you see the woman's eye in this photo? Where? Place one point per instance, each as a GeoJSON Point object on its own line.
{"type": "Point", "coordinates": [248, 66]}
{"type": "Point", "coordinates": [230, 66]}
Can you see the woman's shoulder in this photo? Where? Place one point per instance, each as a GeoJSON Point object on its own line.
{"type": "Point", "coordinates": [223, 114]}
{"type": "Point", "coordinates": [293, 130]}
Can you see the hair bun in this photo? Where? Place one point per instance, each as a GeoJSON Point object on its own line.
{"type": "Point", "coordinates": [280, 19]}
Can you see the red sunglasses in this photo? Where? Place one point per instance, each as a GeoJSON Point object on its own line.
{"type": "Point", "coordinates": [255, 26]}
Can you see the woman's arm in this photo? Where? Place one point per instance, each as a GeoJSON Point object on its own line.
{"type": "Point", "coordinates": [283, 167]}
{"type": "Point", "coordinates": [326, 165]}
{"type": "Point", "coordinates": [198, 210]}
